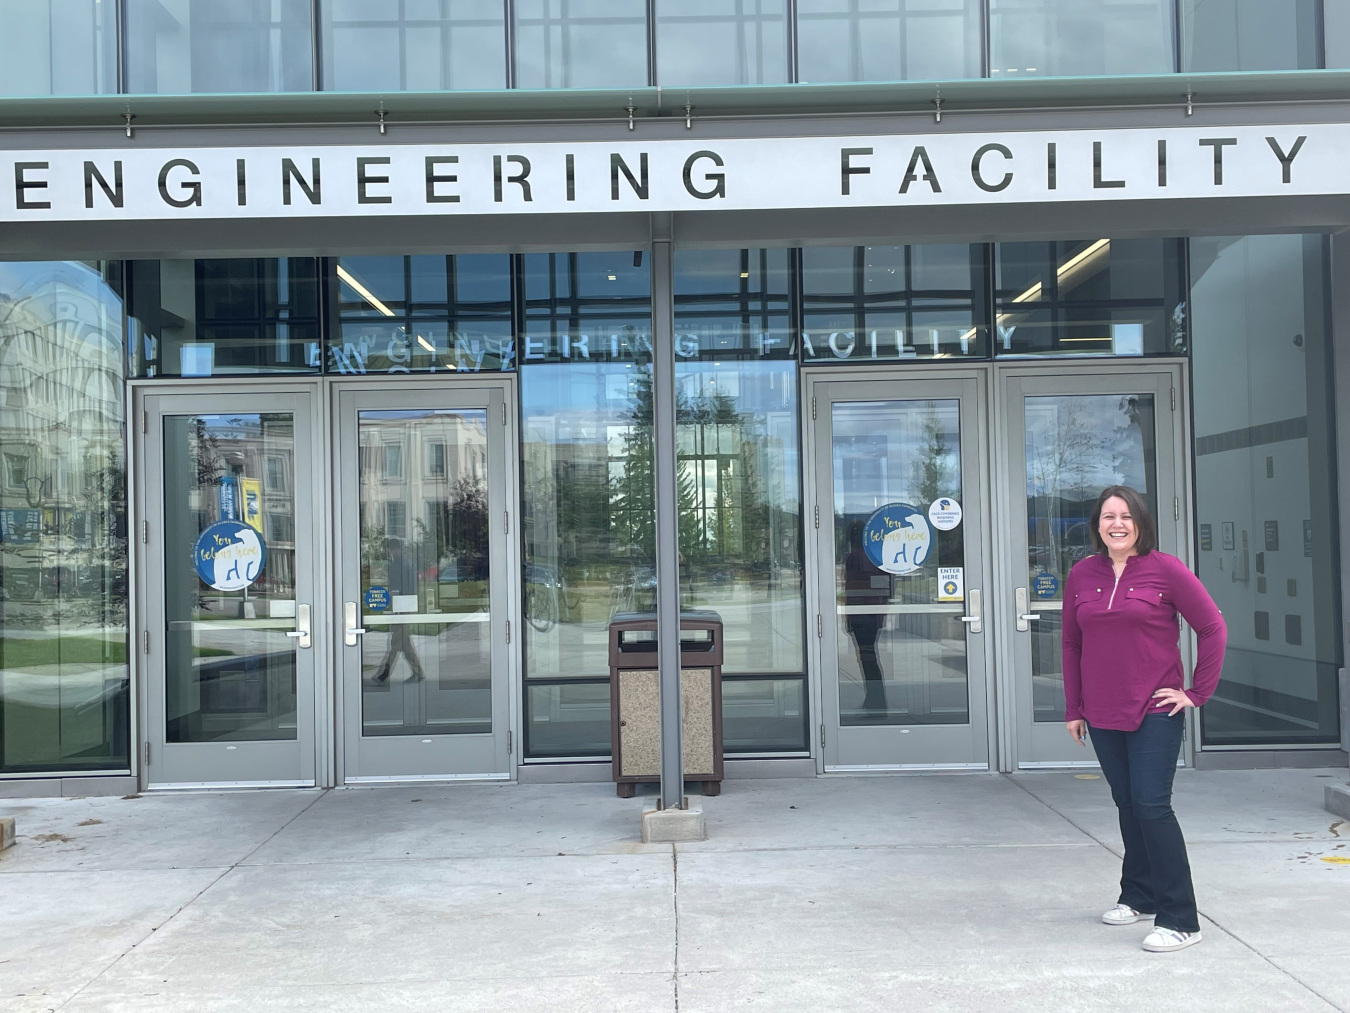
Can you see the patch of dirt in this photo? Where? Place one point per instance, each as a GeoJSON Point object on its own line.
{"type": "Point", "coordinates": [52, 838]}
{"type": "Point", "coordinates": [88, 823]}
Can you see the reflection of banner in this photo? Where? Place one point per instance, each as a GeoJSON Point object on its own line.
{"type": "Point", "coordinates": [229, 498]}
{"type": "Point", "coordinates": [251, 498]}
{"type": "Point", "coordinates": [20, 527]}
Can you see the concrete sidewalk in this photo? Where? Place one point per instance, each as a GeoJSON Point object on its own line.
{"type": "Point", "coordinates": [935, 893]}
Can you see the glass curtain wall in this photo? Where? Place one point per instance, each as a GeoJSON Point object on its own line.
{"type": "Point", "coordinates": [886, 40]}
{"type": "Point", "coordinates": [63, 523]}
{"type": "Point", "coordinates": [413, 45]}
{"type": "Point", "coordinates": [721, 42]}
{"type": "Point", "coordinates": [1078, 38]}
{"type": "Point", "coordinates": [179, 47]}
{"type": "Point", "coordinates": [581, 43]}
{"type": "Point", "coordinates": [57, 47]}
{"type": "Point", "coordinates": [423, 314]}
{"type": "Point", "coordinates": [738, 486]}
{"type": "Point", "coordinates": [1090, 296]}
{"type": "Point", "coordinates": [1251, 34]}
{"type": "Point", "coordinates": [1265, 485]}
{"type": "Point", "coordinates": [893, 303]}
{"type": "Point", "coordinates": [223, 317]}
{"type": "Point", "coordinates": [588, 536]}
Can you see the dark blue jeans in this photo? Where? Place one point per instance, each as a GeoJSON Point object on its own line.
{"type": "Point", "coordinates": [1139, 766]}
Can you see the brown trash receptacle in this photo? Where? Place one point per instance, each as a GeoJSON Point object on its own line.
{"type": "Point", "coordinates": [635, 699]}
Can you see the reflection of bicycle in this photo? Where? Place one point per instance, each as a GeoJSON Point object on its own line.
{"type": "Point", "coordinates": [543, 594]}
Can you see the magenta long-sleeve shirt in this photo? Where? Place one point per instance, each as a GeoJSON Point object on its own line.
{"type": "Point", "coordinates": [1121, 641]}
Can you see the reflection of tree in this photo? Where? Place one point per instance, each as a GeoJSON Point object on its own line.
{"type": "Point", "coordinates": [930, 467]}
{"type": "Point", "coordinates": [1061, 469]}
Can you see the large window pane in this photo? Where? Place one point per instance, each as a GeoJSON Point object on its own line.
{"type": "Point", "coordinates": [176, 47]}
{"type": "Point", "coordinates": [888, 40]}
{"type": "Point", "coordinates": [57, 47]}
{"type": "Point", "coordinates": [1071, 38]}
{"type": "Point", "coordinates": [1265, 485]}
{"type": "Point", "coordinates": [413, 45]}
{"type": "Point", "coordinates": [1090, 297]}
{"type": "Point", "coordinates": [223, 317]}
{"type": "Point", "coordinates": [892, 303]}
{"type": "Point", "coordinates": [588, 520]}
{"type": "Point", "coordinates": [1249, 34]}
{"type": "Point", "coordinates": [720, 42]}
{"type": "Point", "coordinates": [423, 314]}
{"type": "Point", "coordinates": [581, 43]}
{"type": "Point", "coordinates": [63, 527]}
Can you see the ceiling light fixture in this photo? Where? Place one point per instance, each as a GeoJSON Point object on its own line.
{"type": "Point", "coordinates": [362, 291]}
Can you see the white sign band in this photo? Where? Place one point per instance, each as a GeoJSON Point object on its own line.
{"type": "Point", "coordinates": [890, 170]}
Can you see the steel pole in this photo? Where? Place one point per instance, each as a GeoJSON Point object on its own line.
{"type": "Point", "coordinates": [667, 525]}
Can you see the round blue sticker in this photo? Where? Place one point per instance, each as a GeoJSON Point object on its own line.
{"type": "Point", "coordinates": [229, 556]}
{"type": "Point", "coordinates": [377, 599]}
{"type": "Point", "coordinates": [897, 538]}
{"type": "Point", "coordinates": [1045, 585]}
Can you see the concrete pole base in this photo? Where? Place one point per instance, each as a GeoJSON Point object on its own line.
{"type": "Point", "coordinates": [674, 826]}
{"type": "Point", "coordinates": [1337, 799]}
{"type": "Point", "coordinates": [6, 832]}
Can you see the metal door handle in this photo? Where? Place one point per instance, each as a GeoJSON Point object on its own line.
{"type": "Point", "coordinates": [301, 631]}
{"type": "Point", "coordinates": [1030, 617]}
{"type": "Point", "coordinates": [1024, 614]}
{"type": "Point", "coordinates": [350, 631]}
{"type": "Point", "coordinates": [975, 618]}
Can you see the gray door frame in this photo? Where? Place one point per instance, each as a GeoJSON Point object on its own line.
{"type": "Point", "coordinates": [972, 384]}
{"type": "Point", "coordinates": [996, 467]}
{"type": "Point", "coordinates": [1067, 376]}
{"type": "Point", "coordinates": [157, 398]}
{"type": "Point", "coordinates": [495, 392]}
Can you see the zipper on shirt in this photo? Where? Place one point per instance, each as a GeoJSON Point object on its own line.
{"type": "Point", "coordinates": [1112, 600]}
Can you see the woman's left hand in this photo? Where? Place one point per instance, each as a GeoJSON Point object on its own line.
{"type": "Point", "coordinates": [1175, 698]}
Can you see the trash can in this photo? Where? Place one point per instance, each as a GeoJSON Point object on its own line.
{"type": "Point", "coordinates": [635, 699]}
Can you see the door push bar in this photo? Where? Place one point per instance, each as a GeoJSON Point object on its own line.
{"type": "Point", "coordinates": [1025, 617]}
{"type": "Point", "coordinates": [350, 631]}
{"type": "Point", "coordinates": [302, 630]}
{"type": "Point", "coordinates": [974, 619]}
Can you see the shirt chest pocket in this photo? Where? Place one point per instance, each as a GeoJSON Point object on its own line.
{"type": "Point", "coordinates": [1149, 596]}
{"type": "Point", "coordinates": [1090, 597]}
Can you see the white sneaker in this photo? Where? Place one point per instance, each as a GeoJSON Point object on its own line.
{"type": "Point", "coordinates": [1167, 940]}
{"type": "Point", "coordinates": [1123, 914]}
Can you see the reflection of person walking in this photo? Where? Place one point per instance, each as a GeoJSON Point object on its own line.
{"type": "Point", "coordinates": [865, 629]}
{"type": "Point", "coordinates": [1124, 686]}
{"type": "Point", "coordinates": [402, 580]}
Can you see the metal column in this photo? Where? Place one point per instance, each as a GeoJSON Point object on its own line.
{"type": "Point", "coordinates": [667, 519]}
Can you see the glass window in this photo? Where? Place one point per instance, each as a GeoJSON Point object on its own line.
{"type": "Point", "coordinates": [738, 492]}
{"type": "Point", "coordinates": [893, 303]}
{"type": "Point", "coordinates": [413, 45]}
{"type": "Point", "coordinates": [422, 314]}
{"type": "Point", "coordinates": [1265, 483]}
{"type": "Point", "coordinates": [1249, 34]}
{"type": "Point", "coordinates": [1080, 38]}
{"type": "Point", "coordinates": [63, 522]}
{"type": "Point", "coordinates": [588, 513]}
{"type": "Point", "coordinates": [888, 40]}
{"type": "Point", "coordinates": [1336, 33]}
{"type": "Point", "coordinates": [223, 317]}
{"type": "Point", "coordinates": [581, 43]}
{"type": "Point", "coordinates": [57, 47]}
{"type": "Point", "coordinates": [721, 42]}
{"type": "Point", "coordinates": [1090, 297]}
{"type": "Point", "coordinates": [177, 47]}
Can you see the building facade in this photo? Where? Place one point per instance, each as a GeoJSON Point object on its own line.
{"type": "Point", "coordinates": [327, 402]}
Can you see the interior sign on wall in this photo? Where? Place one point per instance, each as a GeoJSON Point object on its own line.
{"type": "Point", "coordinates": [136, 182]}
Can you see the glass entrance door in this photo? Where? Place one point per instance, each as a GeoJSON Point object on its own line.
{"type": "Point", "coordinates": [1069, 435]}
{"type": "Point", "coordinates": [228, 587]}
{"type": "Point", "coordinates": [425, 530]}
{"type": "Point", "coordinates": [898, 524]}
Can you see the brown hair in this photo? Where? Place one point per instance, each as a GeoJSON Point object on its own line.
{"type": "Point", "coordinates": [1147, 539]}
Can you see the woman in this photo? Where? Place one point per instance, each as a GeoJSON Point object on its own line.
{"type": "Point", "coordinates": [1123, 684]}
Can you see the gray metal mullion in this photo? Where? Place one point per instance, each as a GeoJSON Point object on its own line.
{"type": "Point", "coordinates": [316, 45]}
{"type": "Point", "coordinates": [790, 12]}
{"type": "Point", "coordinates": [667, 525]}
{"type": "Point", "coordinates": [651, 43]}
{"type": "Point", "coordinates": [509, 12]}
{"type": "Point", "coordinates": [120, 31]}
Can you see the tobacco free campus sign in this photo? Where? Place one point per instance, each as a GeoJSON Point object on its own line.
{"type": "Point", "coordinates": [884, 170]}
